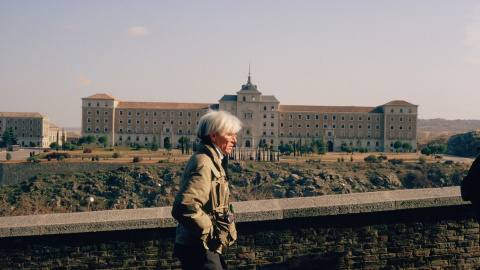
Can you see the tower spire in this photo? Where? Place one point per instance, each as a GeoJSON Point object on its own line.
{"type": "Point", "coordinates": [249, 73]}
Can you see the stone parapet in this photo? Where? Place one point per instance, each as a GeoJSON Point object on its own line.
{"type": "Point", "coordinates": [248, 211]}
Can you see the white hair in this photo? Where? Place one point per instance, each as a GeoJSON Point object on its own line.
{"type": "Point", "coordinates": [220, 122]}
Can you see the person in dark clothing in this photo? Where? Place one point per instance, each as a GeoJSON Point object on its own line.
{"type": "Point", "coordinates": [470, 186]}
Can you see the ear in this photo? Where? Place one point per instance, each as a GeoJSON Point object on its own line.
{"type": "Point", "coordinates": [213, 136]}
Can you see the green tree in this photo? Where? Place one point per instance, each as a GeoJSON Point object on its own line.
{"type": "Point", "coordinates": [168, 145]}
{"type": "Point", "coordinates": [196, 143]}
{"type": "Point", "coordinates": [154, 145]}
{"type": "Point", "coordinates": [54, 145]}
{"type": "Point", "coordinates": [407, 147]}
{"type": "Point", "coordinates": [426, 151]}
{"type": "Point", "coordinates": [9, 137]}
{"type": "Point", "coordinates": [184, 143]}
{"type": "Point", "coordinates": [103, 140]}
{"type": "Point", "coordinates": [91, 139]}
{"type": "Point", "coordinates": [398, 146]}
{"type": "Point", "coordinates": [9, 156]}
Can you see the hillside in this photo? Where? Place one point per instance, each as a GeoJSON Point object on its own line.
{"type": "Point", "coordinates": [153, 185]}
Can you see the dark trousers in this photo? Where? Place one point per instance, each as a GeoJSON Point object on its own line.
{"type": "Point", "coordinates": [198, 258]}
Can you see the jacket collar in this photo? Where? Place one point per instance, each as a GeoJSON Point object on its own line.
{"type": "Point", "coordinates": [209, 150]}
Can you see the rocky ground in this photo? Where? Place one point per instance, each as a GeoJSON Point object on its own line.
{"type": "Point", "coordinates": [153, 185]}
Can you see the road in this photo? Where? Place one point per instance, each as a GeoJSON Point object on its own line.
{"type": "Point", "coordinates": [21, 154]}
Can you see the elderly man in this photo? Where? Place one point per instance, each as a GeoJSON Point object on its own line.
{"type": "Point", "coordinates": [202, 209]}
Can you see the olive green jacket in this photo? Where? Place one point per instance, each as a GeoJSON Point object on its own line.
{"type": "Point", "coordinates": [203, 191]}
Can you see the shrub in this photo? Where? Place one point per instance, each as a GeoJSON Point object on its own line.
{"type": "Point", "coordinates": [87, 150]}
{"type": "Point", "coordinates": [396, 161]}
{"type": "Point", "coordinates": [382, 157]}
{"type": "Point", "coordinates": [97, 158]}
{"type": "Point", "coordinates": [116, 155]}
{"type": "Point", "coordinates": [9, 156]}
{"type": "Point", "coordinates": [449, 162]}
{"type": "Point", "coordinates": [371, 159]}
{"type": "Point", "coordinates": [137, 159]}
{"type": "Point", "coordinates": [109, 149]}
{"type": "Point", "coordinates": [422, 160]}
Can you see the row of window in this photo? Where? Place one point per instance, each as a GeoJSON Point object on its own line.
{"type": "Point", "coordinates": [146, 113]}
{"type": "Point", "coordinates": [23, 121]}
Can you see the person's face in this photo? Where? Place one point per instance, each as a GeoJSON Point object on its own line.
{"type": "Point", "coordinates": [224, 141]}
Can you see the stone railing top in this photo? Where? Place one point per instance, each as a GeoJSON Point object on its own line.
{"type": "Point", "coordinates": [247, 211]}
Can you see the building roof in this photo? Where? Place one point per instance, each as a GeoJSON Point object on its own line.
{"type": "Point", "coordinates": [229, 98]}
{"type": "Point", "coordinates": [329, 109]}
{"type": "Point", "coordinates": [21, 114]}
{"type": "Point", "coordinates": [101, 96]}
{"type": "Point", "coordinates": [399, 103]}
{"type": "Point", "coordinates": [249, 86]}
{"type": "Point", "coordinates": [164, 105]}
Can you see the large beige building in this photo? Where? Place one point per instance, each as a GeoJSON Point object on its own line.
{"type": "Point", "coordinates": [376, 128]}
{"type": "Point", "coordinates": [31, 128]}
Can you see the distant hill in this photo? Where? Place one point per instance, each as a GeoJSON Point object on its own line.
{"type": "Point", "coordinates": [440, 130]}
{"type": "Point", "coordinates": [443, 125]}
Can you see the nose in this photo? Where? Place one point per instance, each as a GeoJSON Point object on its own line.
{"type": "Point", "coordinates": [234, 139]}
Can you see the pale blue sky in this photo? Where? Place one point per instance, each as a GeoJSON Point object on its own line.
{"type": "Point", "coordinates": [365, 53]}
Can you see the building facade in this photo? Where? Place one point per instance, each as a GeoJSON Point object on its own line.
{"type": "Point", "coordinates": [31, 129]}
{"type": "Point", "coordinates": [264, 118]}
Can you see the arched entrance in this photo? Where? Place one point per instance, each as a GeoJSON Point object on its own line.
{"type": "Point", "coordinates": [166, 141]}
{"type": "Point", "coordinates": [247, 143]}
{"type": "Point", "coordinates": [330, 146]}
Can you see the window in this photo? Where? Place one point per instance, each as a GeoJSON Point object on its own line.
{"type": "Point", "coordinates": [299, 117]}
{"type": "Point", "coordinates": [138, 113]}
{"type": "Point", "coordinates": [325, 117]}
{"type": "Point", "coordinates": [308, 116]}
{"type": "Point", "coordinates": [106, 112]}
{"type": "Point", "coordinates": [129, 112]}
{"type": "Point", "coordinates": [180, 114]}
{"type": "Point", "coordinates": [146, 113]}
{"type": "Point", "coordinates": [120, 112]}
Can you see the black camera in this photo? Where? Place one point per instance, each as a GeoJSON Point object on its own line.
{"type": "Point", "coordinates": [227, 218]}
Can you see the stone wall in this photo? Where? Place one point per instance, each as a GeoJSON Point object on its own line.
{"type": "Point", "coordinates": [14, 173]}
{"type": "Point", "coordinates": [404, 229]}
